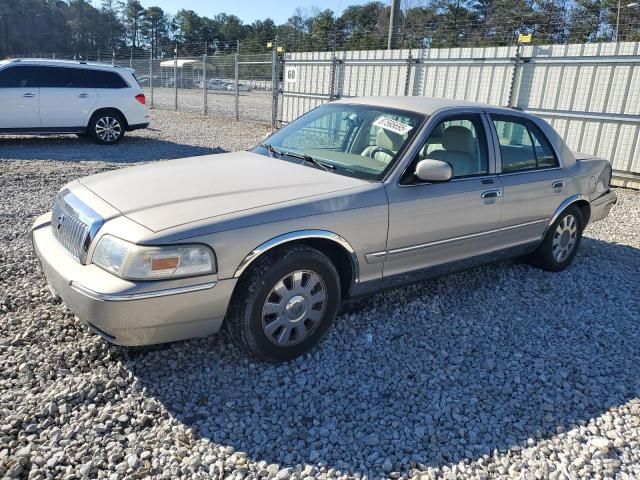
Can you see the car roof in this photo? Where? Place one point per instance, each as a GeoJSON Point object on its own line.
{"type": "Point", "coordinates": [67, 63]}
{"type": "Point", "coordinates": [423, 105]}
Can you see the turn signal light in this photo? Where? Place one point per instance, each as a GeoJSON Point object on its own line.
{"type": "Point", "coordinates": [141, 98]}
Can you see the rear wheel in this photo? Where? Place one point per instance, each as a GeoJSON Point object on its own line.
{"type": "Point", "coordinates": [285, 304]}
{"type": "Point", "coordinates": [107, 127]}
{"type": "Point", "coordinates": [560, 244]}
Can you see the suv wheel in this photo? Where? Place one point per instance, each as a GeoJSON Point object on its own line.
{"type": "Point", "coordinates": [560, 244]}
{"type": "Point", "coordinates": [107, 127]}
{"type": "Point", "coordinates": [285, 303]}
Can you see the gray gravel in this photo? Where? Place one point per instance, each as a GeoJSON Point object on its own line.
{"type": "Point", "coordinates": [501, 372]}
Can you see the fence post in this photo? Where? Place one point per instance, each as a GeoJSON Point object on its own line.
{"type": "Point", "coordinates": [275, 86]}
{"type": "Point", "coordinates": [204, 84]}
{"type": "Point", "coordinates": [131, 59]}
{"type": "Point", "coordinates": [333, 77]}
{"type": "Point", "coordinates": [151, 77]}
{"type": "Point", "coordinates": [175, 79]}
{"type": "Point", "coordinates": [407, 78]}
{"type": "Point", "coordinates": [514, 78]}
{"type": "Point", "coordinates": [237, 89]}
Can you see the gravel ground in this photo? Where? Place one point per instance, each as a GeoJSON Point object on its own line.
{"type": "Point", "coordinates": [500, 372]}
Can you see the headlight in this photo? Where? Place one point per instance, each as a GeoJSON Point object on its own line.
{"type": "Point", "coordinates": [136, 262]}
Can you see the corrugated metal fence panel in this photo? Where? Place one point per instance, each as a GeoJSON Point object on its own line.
{"type": "Point", "coordinates": [590, 93]}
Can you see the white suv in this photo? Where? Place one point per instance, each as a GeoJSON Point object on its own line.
{"type": "Point", "coordinates": [58, 96]}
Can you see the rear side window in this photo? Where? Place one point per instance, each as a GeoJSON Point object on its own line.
{"type": "Point", "coordinates": [522, 145]}
{"type": "Point", "coordinates": [53, 77]}
{"type": "Point", "coordinates": [83, 78]}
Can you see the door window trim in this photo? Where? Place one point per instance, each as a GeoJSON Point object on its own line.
{"type": "Point", "coordinates": [430, 125]}
{"type": "Point", "coordinates": [523, 121]}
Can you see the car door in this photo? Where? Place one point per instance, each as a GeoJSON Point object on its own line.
{"type": "Point", "coordinates": [533, 183]}
{"type": "Point", "coordinates": [66, 97]}
{"type": "Point", "coordinates": [19, 98]}
{"type": "Point", "coordinates": [432, 225]}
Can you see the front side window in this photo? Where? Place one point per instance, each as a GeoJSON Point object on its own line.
{"type": "Point", "coordinates": [356, 140]}
{"type": "Point", "coordinates": [522, 145]}
{"type": "Point", "coordinates": [23, 76]}
{"type": "Point", "coordinates": [461, 142]}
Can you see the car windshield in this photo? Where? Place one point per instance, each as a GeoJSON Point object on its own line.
{"type": "Point", "coordinates": [361, 141]}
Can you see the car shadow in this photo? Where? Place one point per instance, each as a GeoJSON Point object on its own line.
{"type": "Point", "coordinates": [69, 148]}
{"type": "Point", "coordinates": [427, 382]}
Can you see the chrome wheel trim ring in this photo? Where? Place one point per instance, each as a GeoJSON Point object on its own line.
{"type": "Point", "coordinates": [294, 307]}
{"type": "Point", "coordinates": [565, 238]}
{"type": "Point", "coordinates": [108, 129]}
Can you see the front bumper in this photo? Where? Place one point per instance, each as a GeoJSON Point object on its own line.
{"type": "Point", "coordinates": [131, 313]}
{"type": "Point", "coordinates": [601, 206]}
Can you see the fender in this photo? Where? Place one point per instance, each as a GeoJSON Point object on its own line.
{"type": "Point", "coordinates": [563, 206]}
{"type": "Point", "coordinates": [300, 235]}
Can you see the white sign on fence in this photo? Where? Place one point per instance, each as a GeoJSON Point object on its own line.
{"type": "Point", "coordinates": [291, 74]}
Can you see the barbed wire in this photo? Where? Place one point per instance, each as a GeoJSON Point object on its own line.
{"type": "Point", "coordinates": [439, 33]}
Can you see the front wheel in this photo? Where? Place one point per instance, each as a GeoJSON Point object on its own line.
{"type": "Point", "coordinates": [107, 128]}
{"type": "Point", "coordinates": [561, 242]}
{"type": "Point", "coordinates": [285, 304]}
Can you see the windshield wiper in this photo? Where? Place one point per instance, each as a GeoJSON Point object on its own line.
{"type": "Point", "coordinates": [269, 148]}
{"type": "Point", "coordinates": [307, 158]}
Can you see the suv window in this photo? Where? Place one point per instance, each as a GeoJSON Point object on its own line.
{"type": "Point", "coordinates": [53, 77]}
{"type": "Point", "coordinates": [98, 79]}
{"type": "Point", "coordinates": [522, 145]}
{"type": "Point", "coordinates": [461, 142]}
{"type": "Point", "coordinates": [18, 77]}
{"type": "Point", "coordinates": [24, 76]}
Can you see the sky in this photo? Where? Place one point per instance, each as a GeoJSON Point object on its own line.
{"type": "Point", "coordinates": [248, 11]}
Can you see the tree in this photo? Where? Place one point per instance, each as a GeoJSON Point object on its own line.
{"type": "Point", "coordinates": [155, 27]}
{"type": "Point", "coordinates": [133, 16]}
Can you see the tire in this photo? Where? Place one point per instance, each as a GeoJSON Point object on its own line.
{"type": "Point", "coordinates": [561, 242]}
{"type": "Point", "coordinates": [285, 303]}
{"type": "Point", "coordinates": [107, 127]}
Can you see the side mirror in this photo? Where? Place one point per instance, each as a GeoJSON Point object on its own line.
{"type": "Point", "coordinates": [431, 170]}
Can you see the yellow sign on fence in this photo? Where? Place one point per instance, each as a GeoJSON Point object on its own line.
{"type": "Point", "coordinates": [524, 38]}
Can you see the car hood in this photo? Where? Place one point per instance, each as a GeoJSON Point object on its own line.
{"type": "Point", "coordinates": [170, 193]}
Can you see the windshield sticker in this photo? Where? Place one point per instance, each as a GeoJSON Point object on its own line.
{"type": "Point", "coordinates": [392, 125]}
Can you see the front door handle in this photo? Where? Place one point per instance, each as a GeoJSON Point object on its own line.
{"type": "Point", "coordinates": [83, 95]}
{"type": "Point", "coordinates": [28, 95]}
{"type": "Point", "coordinates": [557, 186]}
{"type": "Point", "coordinates": [491, 194]}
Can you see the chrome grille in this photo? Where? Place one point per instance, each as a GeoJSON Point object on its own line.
{"type": "Point", "coordinates": [74, 224]}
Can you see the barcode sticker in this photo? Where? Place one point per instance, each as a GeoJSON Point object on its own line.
{"type": "Point", "coordinates": [392, 125]}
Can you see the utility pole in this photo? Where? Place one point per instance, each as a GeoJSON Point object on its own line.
{"type": "Point", "coordinates": [394, 20]}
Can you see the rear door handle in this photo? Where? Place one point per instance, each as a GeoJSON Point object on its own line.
{"type": "Point", "coordinates": [491, 194]}
{"type": "Point", "coordinates": [557, 186]}
{"type": "Point", "coordinates": [83, 95]}
{"type": "Point", "coordinates": [29, 95]}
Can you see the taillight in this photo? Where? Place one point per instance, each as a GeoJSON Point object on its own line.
{"type": "Point", "coordinates": [141, 98]}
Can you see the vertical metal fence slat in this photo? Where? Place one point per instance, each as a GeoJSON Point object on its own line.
{"type": "Point", "coordinates": [236, 100]}
{"type": "Point", "coordinates": [204, 84]}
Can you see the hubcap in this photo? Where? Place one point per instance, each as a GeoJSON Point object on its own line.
{"type": "Point", "coordinates": [565, 238]}
{"type": "Point", "coordinates": [108, 129]}
{"type": "Point", "coordinates": [294, 307]}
